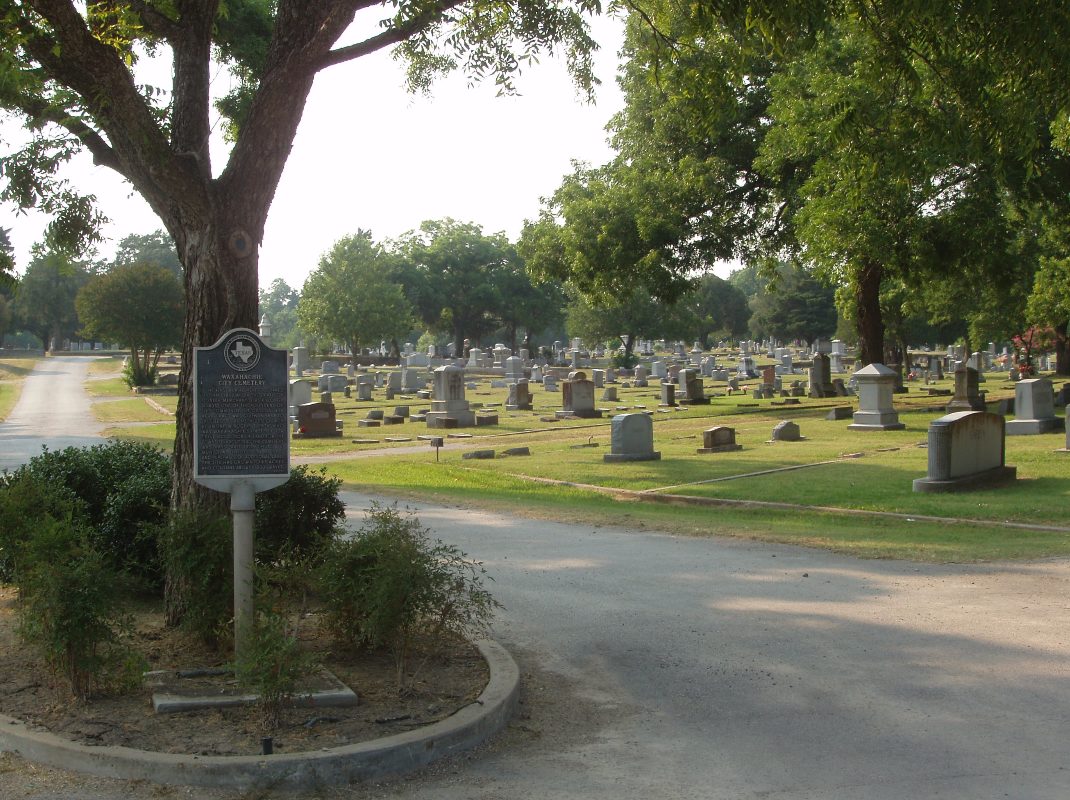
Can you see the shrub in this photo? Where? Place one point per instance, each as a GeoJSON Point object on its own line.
{"type": "Point", "coordinates": [135, 375]}
{"type": "Point", "coordinates": [25, 503]}
{"type": "Point", "coordinates": [196, 550]}
{"type": "Point", "coordinates": [271, 664]}
{"type": "Point", "coordinates": [125, 488]}
{"type": "Point", "coordinates": [390, 583]}
{"type": "Point", "coordinates": [127, 533]}
{"type": "Point", "coordinates": [69, 608]}
{"type": "Point", "coordinates": [299, 518]}
{"type": "Point", "coordinates": [93, 473]}
{"type": "Point", "coordinates": [622, 360]}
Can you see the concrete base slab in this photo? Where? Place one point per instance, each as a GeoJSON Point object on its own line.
{"type": "Point", "coordinates": [177, 690]}
{"type": "Point", "coordinates": [897, 426]}
{"type": "Point", "coordinates": [980, 480]}
{"type": "Point", "coordinates": [655, 456]}
{"type": "Point", "coordinates": [1032, 427]}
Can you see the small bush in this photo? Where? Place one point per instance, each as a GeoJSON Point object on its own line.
{"type": "Point", "coordinates": [70, 609]}
{"type": "Point", "coordinates": [126, 489]}
{"type": "Point", "coordinates": [197, 554]}
{"type": "Point", "coordinates": [271, 665]}
{"type": "Point", "coordinates": [25, 503]}
{"type": "Point", "coordinates": [621, 360]}
{"type": "Point", "coordinates": [127, 533]}
{"type": "Point", "coordinates": [135, 375]}
{"type": "Point", "coordinates": [299, 518]}
{"type": "Point", "coordinates": [390, 583]}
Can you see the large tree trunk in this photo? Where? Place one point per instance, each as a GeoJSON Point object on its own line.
{"type": "Point", "coordinates": [221, 292]}
{"type": "Point", "coordinates": [868, 313]}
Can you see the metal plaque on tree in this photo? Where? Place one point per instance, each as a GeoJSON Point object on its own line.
{"type": "Point", "coordinates": [240, 413]}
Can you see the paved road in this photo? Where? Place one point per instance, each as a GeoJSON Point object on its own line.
{"type": "Point", "coordinates": [53, 409]}
{"type": "Point", "coordinates": [658, 666]}
{"type": "Point", "coordinates": [725, 669]}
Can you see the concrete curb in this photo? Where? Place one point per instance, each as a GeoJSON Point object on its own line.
{"type": "Point", "coordinates": [392, 755]}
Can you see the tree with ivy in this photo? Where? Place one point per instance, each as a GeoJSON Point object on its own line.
{"type": "Point", "coordinates": [69, 71]}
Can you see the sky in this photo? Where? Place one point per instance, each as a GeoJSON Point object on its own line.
{"type": "Point", "coordinates": [370, 155]}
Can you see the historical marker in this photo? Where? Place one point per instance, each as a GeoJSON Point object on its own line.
{"type": "Point", "coordinates": [240, 413]}
{"type": "Point", "coordinates": [241, 441]}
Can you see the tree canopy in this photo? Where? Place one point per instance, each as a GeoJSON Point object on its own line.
{"type": "Point", "coordinates": [69, 71]}
{"type": "Point", "coordinates": [453, 273]}
{"type": "Point", "coordinates": [140, 306]}
{"type": "Point", "coordinates": [44, 297]}
{"type": "Point", "coordinates": [351, 297]}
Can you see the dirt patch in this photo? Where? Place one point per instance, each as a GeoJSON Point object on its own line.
{"type": "Point", "coordinates": [442, 681]}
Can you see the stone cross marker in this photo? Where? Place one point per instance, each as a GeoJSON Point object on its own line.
{"type": "Point", "coordinates": [241, 441]}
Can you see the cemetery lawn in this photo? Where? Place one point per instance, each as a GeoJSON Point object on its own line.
{"type": "Point", "coordinates": [836, 471]}
{"type": "Point", "coordinates": [825, 491]}
{"type": "Point", "coordinates": [136, 409]}
{"type": "Point", "coordinates": [12, 373]}
{"type": "Point", "coordinates": [451, 483]}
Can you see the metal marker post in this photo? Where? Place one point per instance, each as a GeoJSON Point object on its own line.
{"type": "Point", "coordinates": [243, 511]}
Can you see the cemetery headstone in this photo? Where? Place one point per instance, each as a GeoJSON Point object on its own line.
{"type": "Point", "coordinates": [519, 397]}
{"type": "Point", "coordinates": [691, 388]}
{"type": "Point", "coordinates": [632, 439]}
{"type": "Point", "coordinates": [966, 450]}
{"type": "Point", "coordinates": [876, 385]}
{"type": "Point", "coordinates": [821, 377]}
{"type": "Point", "coordinates": [1034, 408]}
{"type": "Point", "coordinates": [719, 439]}
{"type": "Point", "coordinates": [449, 408]}
{"type": "Point", "coordinates": [301, 360]}
{"type": "Point", "coordinates": [786, 431]}
{"type": "Point", "coordinates": [577, 398]}
{"type": "Point", "coordinates": [966, 396]}
{"type": "Point", "coordinates": [300, 393]}
{"type": "Point", "coordinates": [317, 420]}
{"type": "Point", "coordinates": [668, 395]}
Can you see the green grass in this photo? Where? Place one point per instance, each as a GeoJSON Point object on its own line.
{"type": "Point", "coordinates": [870, 471]}
{"type": "Point", "coordinates": [132, 410]}
{"type": "Point", "coordinates": [162, 435]}
{"type": "Point", "coordinates": [110, 366]}
{"type": "Point", "coordinates": [420, 478]}
{"type": "Point", "coordinates": [107, 387]}
{"type": "Point", "coordinates": [12, 373]}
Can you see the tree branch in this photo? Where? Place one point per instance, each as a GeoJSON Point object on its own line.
{"type": "Point", "coordinates": [154, 21]}
{"type": "Point", "coordinates": [388, 37]}
{"type": "Point", "coordinates": [73, 57]}
{"type": "Point", "coordinates": [102, 152]}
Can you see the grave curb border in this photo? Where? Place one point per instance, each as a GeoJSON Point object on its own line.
{"type": "Point", "coordinates": [390, 756]}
